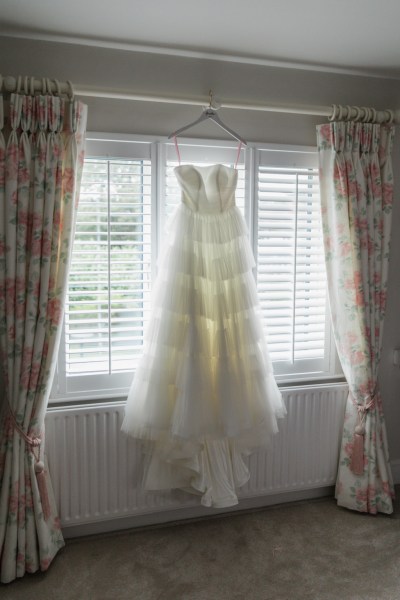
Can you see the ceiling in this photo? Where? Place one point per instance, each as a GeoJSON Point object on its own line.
{"type": "Point", "coordinates": [351, 35]}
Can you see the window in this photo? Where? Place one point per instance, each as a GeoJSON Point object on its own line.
{"type": "Point", "coordinates": [128, 191]}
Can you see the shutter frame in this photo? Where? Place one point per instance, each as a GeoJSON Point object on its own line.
{"type": "Point", "coordinates": [160, 157]}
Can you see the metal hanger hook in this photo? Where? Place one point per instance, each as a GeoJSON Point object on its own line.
{"type": "Point", "coordinates": [213, 103]}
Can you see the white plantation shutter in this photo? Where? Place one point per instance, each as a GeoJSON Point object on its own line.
{"type": "Point", "coordinates": [290, 263]}
{"type": "Point", "coordinates": [109, 287]}
{"type": "Point", "coordinates": [109, 283]}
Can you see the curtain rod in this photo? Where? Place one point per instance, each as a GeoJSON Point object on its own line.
{"type": "Point", "coordinates": [203, 102]}
{"type": "Point", "coordinates": [31, 85]}
{"type": "Point", "coordinates": [332, 112]}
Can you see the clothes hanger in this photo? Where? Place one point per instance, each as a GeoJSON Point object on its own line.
{"type": "Point", "coordinates": [210, 113]}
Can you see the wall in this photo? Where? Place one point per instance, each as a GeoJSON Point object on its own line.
{"type": "Point", "coordinates": [178, 76]}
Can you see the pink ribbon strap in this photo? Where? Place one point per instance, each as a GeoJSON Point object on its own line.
{"type": "Point", "coordinates": [177, 149]}
{"type": "Point", "coordinates": [238, 153]}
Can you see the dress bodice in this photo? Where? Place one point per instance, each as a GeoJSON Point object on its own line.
{"type": "Point", "coordinates": [208, 190]}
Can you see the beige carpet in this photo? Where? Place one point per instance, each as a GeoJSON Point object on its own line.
{"type": "Point", "coordinates": [310, 551]}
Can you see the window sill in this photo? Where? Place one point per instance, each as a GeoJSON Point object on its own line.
{"type": "Point", "coordinates": [118, 397]}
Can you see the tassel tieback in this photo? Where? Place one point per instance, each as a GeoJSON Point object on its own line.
{"type": "Point", "coordinates": [357, 456]}
{"type": "Point", "coordinates": [34, 442]}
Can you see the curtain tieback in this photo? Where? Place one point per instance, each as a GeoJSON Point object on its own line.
{"type": "Point", "coordinates": [34, 442]}
{"type": "Point", "coordinates": [357, 456]}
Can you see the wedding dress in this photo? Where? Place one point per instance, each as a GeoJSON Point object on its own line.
{"type": "Point", "coordinates": [204, 394]}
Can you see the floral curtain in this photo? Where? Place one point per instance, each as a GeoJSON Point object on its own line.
{"type": "Point", "coordinates": [41, 158]}
{"type": "Point", "coordinates": [356, 182]}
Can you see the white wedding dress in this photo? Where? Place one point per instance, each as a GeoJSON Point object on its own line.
{"type": "Point", "coordinates": [204, 395]}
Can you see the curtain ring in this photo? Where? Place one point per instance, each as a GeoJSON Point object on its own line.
{"type": "Point", "coordinates": [349, 111]}
{"type": "Point", "coordinates": [358, 110]}
{"type": "Point", "coordinates": [388, 119]}
{"type": "Point", "coordinates": [333, 114]}
{"type": "Point", "coordinates": [48, 83]}
{"type": "Point", "coordinates": [44, 86]}
{"type": "Point", "coordinates": [71, 90]}
{"type": "Point", "coordinates": [365, 114]}
{"type": "Point", "coordinates": [32, 86]}
{"type": "Point", "coordinates": [340, 115]}
{"type": "Point", "coordinates": [373, 115]}
{"type": "Point", "coordinates": [19, 82]}
{"type": "Point", "coordinates": [57, 84]}
{"type": "Point", "coordinates": [26, 85]}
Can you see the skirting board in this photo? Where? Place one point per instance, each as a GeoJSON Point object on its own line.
{"type": "Point", "coordinates": [199, 512]}
{"type": "Point", "coordinates": [181, 515]}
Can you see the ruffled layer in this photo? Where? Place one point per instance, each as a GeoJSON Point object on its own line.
{"type": "Point", "coordinates": [215, 300]}
{"type": "Point", "coordinates": [212, 261]}
{"type": "Point", "coordinates": [219, 228]}
{"type": "Point", "coordinates": [240, 333]}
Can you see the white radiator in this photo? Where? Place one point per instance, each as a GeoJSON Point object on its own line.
{"type": "Point", "coordinates": [95, 468]}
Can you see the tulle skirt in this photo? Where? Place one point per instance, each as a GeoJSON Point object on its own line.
{"type": "Point", "coordinates": [204, 395]}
